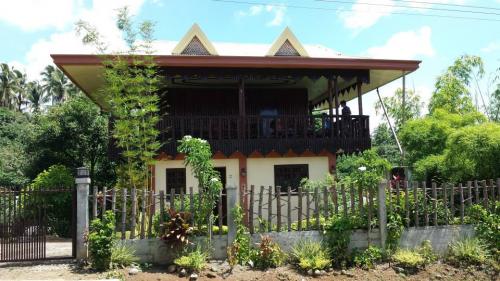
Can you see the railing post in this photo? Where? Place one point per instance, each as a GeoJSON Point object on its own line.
{"type": "Point", "coordinates": [382, 212]}
{"type": "Point", "coordinates": [231, 201]}
{"type": "Point", "coordinates": [82, 181]}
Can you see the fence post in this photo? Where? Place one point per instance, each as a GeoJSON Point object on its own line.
{"type": "Point", "coordinates": [382, 212]}
{"type": "Point", "coordinates": [82, 181]}
{"type": "Point", "coordinates": [231, 201]}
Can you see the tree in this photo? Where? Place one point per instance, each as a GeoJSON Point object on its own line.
{"type": "Point", "coordinates": [56, 84]}
{"type": "Point", "coordinates": [452, 87]}
{"type": "Point", "coordinates": [131, 82]}
{"type": "Point", "coordinates": [8, 85]}
{"type": "Point", "coordinates": [395, 109]}
{"type": "Point", "coordinates": [36, 96]}
{"type": "Point", "coordinates": [73, 134]}
{"type": "Point", "coordinates": [384, 143]}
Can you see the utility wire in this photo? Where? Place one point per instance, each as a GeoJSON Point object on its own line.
{"type": "Point", "coordinates": [409, 7]}
{"type": "Point", "coordinates": [336, 9]}
{"type": "Point", "coordinates": [449, 4]}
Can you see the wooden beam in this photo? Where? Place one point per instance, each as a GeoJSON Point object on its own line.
{"type": "Point", "coordinates": [336, 94]}
{"type": "Point", "coordinates": [241, 97]}
{"type": "Point", "coordinates": [360, 100]}
{"type": "Point", "coordinates": [330, 96]}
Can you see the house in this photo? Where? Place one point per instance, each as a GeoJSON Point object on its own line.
{"type": "Point", "coordinates": [270, 112]}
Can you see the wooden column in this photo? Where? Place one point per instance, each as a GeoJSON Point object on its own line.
{"type": "Point", "coordinates": [330, 97]}
{"type": "Point", "coordinates": [360, 100]}
{"type": "Point", "coordinates": [336, 94]}
{"type": "Point", "coordinates": [241, 106]}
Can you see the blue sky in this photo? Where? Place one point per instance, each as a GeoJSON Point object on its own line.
{"type": "Point", "coordinates": [32, 29]}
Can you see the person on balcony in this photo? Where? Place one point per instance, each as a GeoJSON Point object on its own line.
{"type": "Point", "coordinates": [346, 119]}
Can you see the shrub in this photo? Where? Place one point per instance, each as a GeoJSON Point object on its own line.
{"type": "Point", "coordinates": [122, 256]}
{"type": "Point", "coordinates": [426, 252]}
{"type": "Point", "coordinates": [269, 254]}
{"type": "Point", "coordinates": [57, 205]}
{"type": "Point", "coordinates": [487, 227]}
{"type": "Point", "coordinates": [409, 259]}
{"type": "Point", "coordinates": [337, 232]}
{"type": "Point", "coordinates": [366, 259]}
{"type": "Point", "coordinates": [100, 241]}
{"type": "Point", "coordinates": [177, 229]}
{"type": "Point", "coordinates": [240, 251]}
{"type": "Point", "coordinates": [192, 261]}
{"type": "Point", "coordinates": [469, 251]}
{"type": "Point", "coordinates": [307, 254]}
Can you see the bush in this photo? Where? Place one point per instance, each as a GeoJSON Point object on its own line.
{"type": "Point", "coordinates": [410, 260]}
{"type": "Point", "coordinates": [487, 227]}
{"type": "Point", "coordinates": [58, 205]}
{"type": "Point", "coordinates": [269, 254]}
{"type": "Point", "coordinates": [307, 254]}
{"type": "Point", "coordinates": [240, 251]}
{"type": "Point", "coordinates": [366, 259]}
{"type": "Point", "coordinates": [469, 251]}
{"type": "Point", "coordinates": [122, 256]}
{"type": "Point", "coordinates": [192, 261]}
{"type": "Point", "coordinates": [337, 233]}
{"type": "Point", "coordinates": [177, 229]}
{"type": "Point", "coordinates": [426, 252]}
{"type": "Point", "coordinates": [101, 238]}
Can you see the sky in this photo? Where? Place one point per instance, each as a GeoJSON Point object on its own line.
{"type": "Point", "coordinates": [30, 30]}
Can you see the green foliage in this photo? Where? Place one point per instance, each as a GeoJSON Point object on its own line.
{"type": "Point", "coordinates": [193, 260]}
{"type": "Point", "coordinates": [385, 144]}
{"type": "Point", "coordinates": [395, 109]}
{"type": "Point", "coordinates": [487, 226]}
{"type": "Point", "coordinates": [15, 133]}
{"type": "Point", "coordinates": [426, 252]}
{"type": "Point", "coordinates": [337, 235]}
{"type": "Point", "coordinates": [131, 82]}
{"type": "Point", "coordinates": [177, 229]}
{"type": "Point", "coordinates": [394, 230]}
{"type": "Point", "coordinates": [58, 205]}
{"type": "Point", "coordinates": [198, 155]}
{"type": "Point", "coordinates": [473, 152]}
{"type": "Point", "coordinates": [365, 169]}
{"type": "Point", "coordinates": [122, 256]}
{"type": "Point", "coordinates": [308, 254]}
{"type": "Point", "coordinates": [240, 251]}
{"type": "Point", "coordinates": [368, 258]}
{"type": "Point", "coordinates": [469, 251]}
{"type": "Point", "coordinates": [268, 254]}
{"type": "Point", "coordinates": [410, 260]}
{"type": "Point", "coordinates": [101, 240]}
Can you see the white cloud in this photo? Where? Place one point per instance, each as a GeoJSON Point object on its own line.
{"type": "Point", "coordinates": [363, 14]}
{"type": "Point", "coordinates": [492, 47]}
{"type": "Point", "coordinates": [101, 14]}
{"type": "Point", "coordinates": [277, 11]}
{"type": "Point", "coordinates": [405, 45]}
{"type": "Point", "coordinates": [31, 15]}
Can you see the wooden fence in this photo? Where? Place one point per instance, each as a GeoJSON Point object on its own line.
{"type": "Point", "coordinates": [140, 214]}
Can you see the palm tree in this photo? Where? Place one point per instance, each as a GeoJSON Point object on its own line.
{"type": "Point", "coordinates": [56, 84]}
{"type": "Point", "coordinates": [21, 88]}
{"type": "Point", "coordinates": [36, 96]}
{"type": "Point", "coordinates": [7, 85]}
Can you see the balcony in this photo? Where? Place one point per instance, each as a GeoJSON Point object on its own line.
{"type": "Point", "coordinates": [264, 134]}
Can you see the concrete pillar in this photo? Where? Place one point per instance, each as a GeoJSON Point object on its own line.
{"type": "Point", "coordinates": [82, 181]}
{"type": "Point", "coordinates": [232, 200]}
{"type": "Point", "coordinates": [382, 212]}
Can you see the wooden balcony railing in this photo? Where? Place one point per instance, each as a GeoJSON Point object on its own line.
{"type": "Point", "coordinates": [283, 132]}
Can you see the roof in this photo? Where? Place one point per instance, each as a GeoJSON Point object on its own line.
{"type": "Point", "coordinates": [286, 53]}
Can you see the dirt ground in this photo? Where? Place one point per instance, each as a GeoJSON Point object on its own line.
{"type": "Point", "coordinates": [64, 270]}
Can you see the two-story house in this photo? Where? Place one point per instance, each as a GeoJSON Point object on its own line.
{"type": "Point", "coordinates": [270, 112]}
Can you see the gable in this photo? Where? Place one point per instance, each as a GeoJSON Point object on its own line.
{"type": "Point", "coordinates": [194, 43]}
{"type": "Point", "coordinates": [287, 45]}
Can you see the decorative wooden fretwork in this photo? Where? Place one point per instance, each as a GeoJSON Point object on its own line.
{"type": "Point", "coordinates": [176, 179]}
{"type": "Point", "coordinates": [287, 50]}
{"type": "Point", "coordinates": [290, 175]}
{"type": "Point", "coordinates": [195, 48]}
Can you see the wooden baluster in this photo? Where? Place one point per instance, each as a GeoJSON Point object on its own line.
{"type": "Point", "coordinates": [316, 207]}
{"type": "Point", "coordinates": [299, 214]}
{"type": "Point", "coordinates": [182, 200]}
{"type": "Point", "coordinates": [191, 203]}
{"type": "Point", "coordinates": [335, 198]}
{"type": "Point", "coordinates": [270, 209]}
{"type": "Point", "coordinates": [124, 212]}
{"type": "Point", "coordinates": [462, 204]}
{"type": "Point", "coordinates": [94, 205]}
{"type": "Point", "coordinates": [352, 195]}
{"type": "Point", "coordinates": [113, 201]}
{"type": "Point", "coordinates": [143, 213]}
{"type": "Point", "coordinates": [172, 199]}
{"type": "Point", "coordinates": [469, 193]}
{"type": "Point", "coordinates": [360, 200]}
{"type": "Point", "coordinates": [344, 199]}
{"type": "Point", "coordinates": [104, 198]}
{"type": "Point", "coordinates": [151, 213]}
{"type": "Point", "coordinates": [452, 202]}
{"type": "Point", "coordinates": [133, 212]}
{"type": "Point", "coordinates": [426, 213]}
{"type": "Point", "coordinates": [325, 202]}
{"type": "Point", "coordinates": [308, 207]}
{"type": "Point", "coordinates": [250, 211]}
{"type": "Point", "coordinates": [445, 202]}
{"type": "Point", "coordinates": [162, 212]}
{"type": "Point", "coordinates": [370, 209]}
{"type": "Point", "coordinates": [219, 208]}
{"type": "Point", "coordinates": [278, 207]}
{"type": "Point", "coordinates": [398, 199]}
{"type": "Point", "coordinates": [476, 191]}
{"type": "Point", "coordinates": [434, 203]}
{"type": "Point", "coordinates": [492, 187]}
{"type": "Point", "coordinates": [261, 199]}
{"type": "Point", "coordinates": [415, 200]}
{"type": "Point", "coordinates": [289, 209]}
{"type": "Point", "coordinates": [485, 194]}
{"type": "Point", "coordinates": [407, 203]}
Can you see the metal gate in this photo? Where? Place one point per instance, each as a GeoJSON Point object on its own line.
{"type": "Point", "coordinates": [26, 222]}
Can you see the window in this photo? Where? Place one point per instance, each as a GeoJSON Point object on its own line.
{"type": "Point", "coordinates": [290, 175]}
{"type": "Point", "coordinates": [176, 179]}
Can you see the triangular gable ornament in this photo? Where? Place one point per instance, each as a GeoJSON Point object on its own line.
{"type": "Point", "coordinates": [195, 43]}
{"type": "Point", "coordinates": [287, 45]}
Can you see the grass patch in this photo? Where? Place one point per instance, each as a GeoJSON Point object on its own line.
{"type": "Point", "coordinates": [469, 251]}
{"type": "Point", "coordinates": [122, 256]}
{"type": "Point", "coordinates": [308, 254]}
{"type": "Point", "coordinates": [192, 261]}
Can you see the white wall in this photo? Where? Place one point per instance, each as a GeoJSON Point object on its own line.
{"type": "Point", "coordinates": [232, 173]}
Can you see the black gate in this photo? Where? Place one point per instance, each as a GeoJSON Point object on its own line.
{"type": "Point", "coordinates": [30, 220]}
